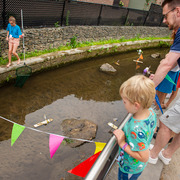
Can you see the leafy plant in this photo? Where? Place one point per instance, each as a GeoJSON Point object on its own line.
{"type": "Point", "coordinates": [121, 4]}
{"type": "Point", "coordinates": [67, 141]}
{"type": "Point", "coordinates": [89, 50]}
{"type": "Point", "coordinates": [57, 24]}
{"type": "Point", "coordinates": [137, 36]}
{"type": "Point", "coordinates": [114, 49]}
{"type": "Point", "coordinates": [67, 18]}
{"type": "Point", "coordinates": [164, 44]}
{"type": "Point", "coordinates": [7, 79]}
{"type": "Point", "coordinates": [73, 42]}
{"type": "Point", "coordinates": [127, 23]}
{"type": "Point", "coordinates": [147, 2]}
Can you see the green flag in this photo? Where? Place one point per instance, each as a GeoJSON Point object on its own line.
{"type": "Point", "coordinates": [169, 79]}
{"type": "Point", "coordinates": [16, 132]}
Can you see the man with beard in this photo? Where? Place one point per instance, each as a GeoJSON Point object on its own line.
{"type": "Point", "coordinates": [170, 120]}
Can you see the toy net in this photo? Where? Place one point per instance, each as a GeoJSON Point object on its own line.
{"type": "Point", "coordinates": [22, 74]}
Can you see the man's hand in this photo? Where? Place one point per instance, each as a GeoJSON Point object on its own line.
{"type": "Point", "coordinates": [7, 39]}
{"type": "Point", "coordinates": [151, 76]}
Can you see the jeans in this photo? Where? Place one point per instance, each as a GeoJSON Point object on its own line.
{"type": "Point", "coordinates": [125, 176]}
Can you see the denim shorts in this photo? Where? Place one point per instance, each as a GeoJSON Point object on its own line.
{"type": "Point", "coordinates": [126, 176]}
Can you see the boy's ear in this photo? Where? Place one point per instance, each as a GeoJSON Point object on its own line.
{"type": "Point", "coordinates": [137, 105]}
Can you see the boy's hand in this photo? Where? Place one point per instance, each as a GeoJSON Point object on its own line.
{"type": "Point", "coordinates": [7, 39]}
{"type": "Point", "coordinates": [120, 136]}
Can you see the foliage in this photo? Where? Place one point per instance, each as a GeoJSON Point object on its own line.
{"type": "Point", "coordinates": [164, 44]}
{"type": "Point", "coordinates": [67, 141]}
{"type": "Point", "coordinates": [147, 2]}
{"type": "Point", "coordinates": [73, 42]}
{"type": "Point", "coordinates": [121, 4]}
{"type": "Point", "coordinates": [137, 36]}
{"type": "Point", "coordinates": [89, 50]}
{"type": "Point", "coordinates": [127, 23]}
{"type": "Point", "coordinates": [67, 18]}
{"type": "Point", "coordinates": [57, 24]}
{"type": "Point", "coordinates": [0, 50]}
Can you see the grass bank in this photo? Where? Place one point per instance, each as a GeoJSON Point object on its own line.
{"type": "Point", "coordinates": [74, 44]}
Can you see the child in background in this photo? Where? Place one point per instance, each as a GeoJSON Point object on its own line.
{"type": "Point", "coordinates": [13, 35]}
{"type": "Point", "coordinates": [134, 139]}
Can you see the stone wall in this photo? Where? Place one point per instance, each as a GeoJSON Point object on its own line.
{"type": "Point", "coordinates": [46, 38]}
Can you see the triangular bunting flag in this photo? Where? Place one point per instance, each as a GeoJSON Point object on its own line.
{"type": "Point", "coordinates": [137, 66]}
{"type": "Point", "coordinates": [169, 79]}
{"type": "Point", "coordinates": [54, 143]}
{"type": "Point", "coordinates": [99, 147]}
{"type": "Point", "coordinates": [16, 132]}
{"type": "Point", "coordinates": [83, 168]}
{"type": "Point", "coordinates": [141, 56]}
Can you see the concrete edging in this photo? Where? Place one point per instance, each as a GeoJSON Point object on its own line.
{"type": "Point", "coordinates": [57, 59]}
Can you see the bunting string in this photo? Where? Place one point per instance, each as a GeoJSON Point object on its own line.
{"type": "Point", "coordinates": [65, 137]}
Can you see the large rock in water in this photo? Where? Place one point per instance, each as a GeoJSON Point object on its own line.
{"type": "Point", "coordinates": [107, 68]}
{"type": "Point", "coordinates": [156, 55]}
{"type": "Point", "coordinates": [83, 129]}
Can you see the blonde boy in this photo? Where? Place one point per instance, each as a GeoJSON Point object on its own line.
{"type": "Point", "coordinates": [137, 93]}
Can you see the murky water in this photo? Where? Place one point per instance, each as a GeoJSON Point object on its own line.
{"type": "Point", "coordinates": [77, 91]}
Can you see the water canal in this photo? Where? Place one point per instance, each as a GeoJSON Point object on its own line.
{"type": "Point", "coordinates": [77, 91]}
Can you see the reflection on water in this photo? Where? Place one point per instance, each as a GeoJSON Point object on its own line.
{"type": "Point", "coordinates": [78, 91]}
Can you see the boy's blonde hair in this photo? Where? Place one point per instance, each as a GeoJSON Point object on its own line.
{"type": "Point", "coordinates": [11, 18]}
{"type": "Point", "coordinates": [139, 89]}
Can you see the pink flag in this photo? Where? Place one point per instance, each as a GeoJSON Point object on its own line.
{"type": "Point", "coordinates": [54, 143]}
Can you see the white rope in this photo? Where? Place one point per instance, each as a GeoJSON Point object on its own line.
{"type": "Point", "coordinates": [84, 140]}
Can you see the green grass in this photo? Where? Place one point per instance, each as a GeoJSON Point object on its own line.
{"type": "Point", "coordinates": [68, 46]}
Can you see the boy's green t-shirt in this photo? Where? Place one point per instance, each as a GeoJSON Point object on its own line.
{"type": "Point", "coordinates": [138, 134]}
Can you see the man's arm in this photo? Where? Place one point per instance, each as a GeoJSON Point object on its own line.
{"type": "Point", "coordinates": [165, 66]}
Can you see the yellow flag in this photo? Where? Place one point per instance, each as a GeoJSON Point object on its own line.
{"type": "Point", "coordinates": [99, 147]}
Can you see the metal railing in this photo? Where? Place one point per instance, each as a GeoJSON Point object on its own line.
{"type": "Point", "coordinates": [106, 159]}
